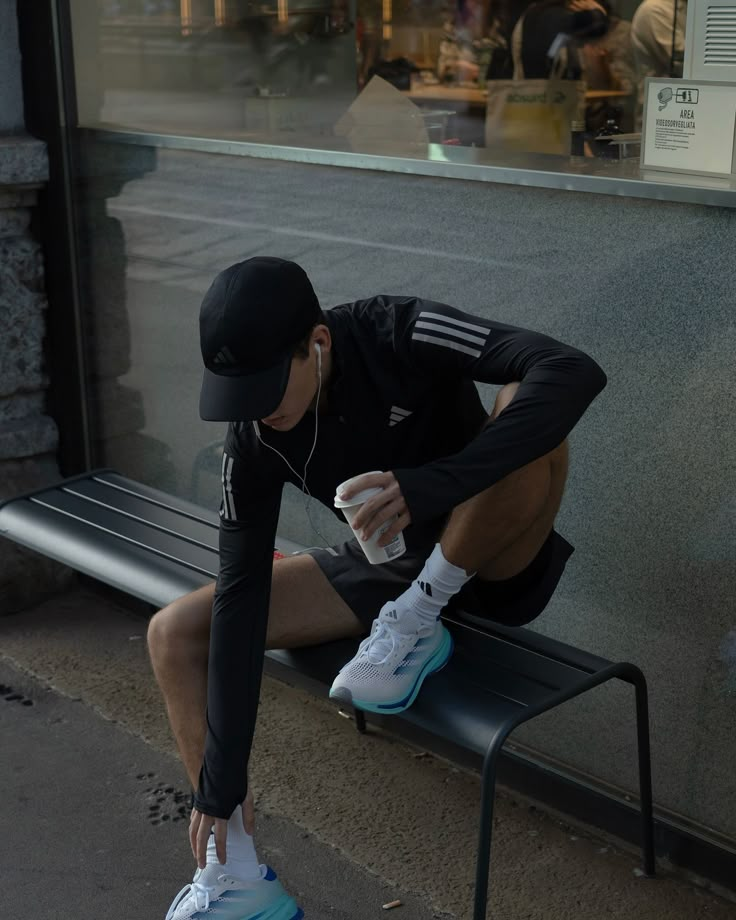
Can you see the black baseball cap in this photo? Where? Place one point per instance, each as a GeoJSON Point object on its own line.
{"type": "Point", "coordinates": [252, 318]}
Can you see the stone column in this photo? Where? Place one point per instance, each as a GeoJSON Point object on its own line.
{"type": "Point", "coordinates": [28, 437]}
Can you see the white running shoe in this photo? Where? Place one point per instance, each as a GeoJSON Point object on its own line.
{"type": "Point", "coordinates": [389, 668]}
{"type": "Point", "coordinates": [222, 897]}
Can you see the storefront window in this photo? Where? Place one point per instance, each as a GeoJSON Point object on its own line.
{"type": "Point", "coordinates": [505, 77]}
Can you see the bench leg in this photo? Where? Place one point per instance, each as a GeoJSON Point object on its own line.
{"type": "Point", "coordinates": [359, 720]}
{"type": "Point", "coordinates": [645, 770]}
{"type": "Point", "coordinates": [488, 792]}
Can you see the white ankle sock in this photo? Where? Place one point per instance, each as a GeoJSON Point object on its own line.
{"type": "Point", "coordinates": [242, 862]}
{"type": "Point", "coordinates": [424, 599]}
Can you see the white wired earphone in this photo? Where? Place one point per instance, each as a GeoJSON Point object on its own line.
{"type": "Point", "coordinates": [303, 477]}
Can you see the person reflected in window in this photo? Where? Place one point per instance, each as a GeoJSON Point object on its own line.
{"type": "Point", "coordinates": [658, 41]}
{"type": "Point", "coordinates": [658, 37]}
{"type": "Point", "coordinates": [609, 66]}
{"type": "Point", "coordinates": [456, 61]}
{"type": "Point", "coordinates": [547, 39]}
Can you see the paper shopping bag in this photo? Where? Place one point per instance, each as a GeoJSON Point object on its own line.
{"type": "Point", "coordinates": [533, 116]}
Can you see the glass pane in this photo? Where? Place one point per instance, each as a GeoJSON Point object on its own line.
{"type": "Point", "coordinates": [218, 68]}
{"type": "Point", "coordinates": [509, 77]}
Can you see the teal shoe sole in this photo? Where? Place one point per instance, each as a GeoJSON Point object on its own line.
{"type": "Point", "coordinates": [283, 910]}
{"type": "Point", "coordinates": [431, 666]}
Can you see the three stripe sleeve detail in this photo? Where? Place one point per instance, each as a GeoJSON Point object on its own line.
{"type": "Point", "coordinates": [448, 332]}
{"type": "Point", "coordinates": [228, 504]}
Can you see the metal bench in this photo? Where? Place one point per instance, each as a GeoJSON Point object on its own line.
{"type": "Point", "coordinates": [156, 547]}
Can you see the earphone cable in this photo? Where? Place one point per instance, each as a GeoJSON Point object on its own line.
{"type": "Point", "coordinates": [307, 506]}
{"type": "Point", "coordinates": [303, 477]}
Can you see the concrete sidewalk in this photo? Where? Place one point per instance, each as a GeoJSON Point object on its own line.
{"type": "Point", "coordinates": [95, 823]}
{"type": "Point", "coordinates": [95, 802]}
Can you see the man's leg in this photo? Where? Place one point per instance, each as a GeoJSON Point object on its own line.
{"type": "Point", "coordinates": [499, 532]}
{"type": "Point", "coordinates": [494, 536]}
{"type": "Point", "coordinates": [178, 642]}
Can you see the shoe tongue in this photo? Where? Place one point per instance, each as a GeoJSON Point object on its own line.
{"type": "Point", "coordinates": [404, 622]}
{"type": "Point", "coordinates": [381, 645]}
{"type": "Point", "coordinates": [390, 621]}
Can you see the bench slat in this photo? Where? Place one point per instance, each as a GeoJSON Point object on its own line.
{"type": "Point", "coordinates": [140, 508]}
{"type": "Point", "coordinates": [126, 529]}
{"type": "Point", "coordinates": [521, 687]}
{"type": "Point", "coordinates": [154, 496]}
{"type": "Point", "coordinates": [173, 503]}
{"type": "Point", "coordinates": [486, 653]}
{"type": "Point", "coordinates": [445, 708]}
{"type": "Point", "coordinates": [545, 646]}
{"type": "Point", "coordinates": [136, 571]}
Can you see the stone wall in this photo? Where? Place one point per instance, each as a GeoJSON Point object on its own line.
{"type": "Point", "coordinates": [28, 437]}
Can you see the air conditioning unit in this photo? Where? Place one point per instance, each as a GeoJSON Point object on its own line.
{"type": "Point", "coordinates": [710, 41]}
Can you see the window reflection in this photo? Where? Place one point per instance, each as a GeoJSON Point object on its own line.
{"type": "Point", "coordinates": [454, 73]}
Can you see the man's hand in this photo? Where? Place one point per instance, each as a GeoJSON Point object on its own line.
{"type": "Point", "coordinates": [379, 509]}
{"type": "Point", "coordinates": [200, 826]}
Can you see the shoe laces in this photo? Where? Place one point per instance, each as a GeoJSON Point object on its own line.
{"type": "Point", "coordinates": [385, 638]}
{"type": "Point", "coordinates": [380, 644]}
{"type": "Point", "coordinates": [200, 893]}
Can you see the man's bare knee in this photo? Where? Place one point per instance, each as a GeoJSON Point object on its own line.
{"type": "Point", "coordinates": [181, 626]}
{"type": "Point", "coordinates": [305, 610]}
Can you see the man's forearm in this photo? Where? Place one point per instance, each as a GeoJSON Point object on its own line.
{"type": "Point", "coordinates": [549, 403]}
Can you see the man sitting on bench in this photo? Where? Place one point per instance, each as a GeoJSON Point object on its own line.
{"type": "Point", "coordinates": [315, 398]}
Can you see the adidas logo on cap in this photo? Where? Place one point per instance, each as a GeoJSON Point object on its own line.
{"type": "Point", "coordinates": [224, 356]}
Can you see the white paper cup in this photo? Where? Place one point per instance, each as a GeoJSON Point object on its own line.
{"type": "Point", "coordinates": [375, 554]}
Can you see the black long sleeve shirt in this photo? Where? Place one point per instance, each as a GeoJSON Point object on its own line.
{"type": "Point", "coordinates": [403, 398]}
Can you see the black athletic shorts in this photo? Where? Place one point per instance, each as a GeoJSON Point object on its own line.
{"type": "Point", "coordinates": [365, 588]}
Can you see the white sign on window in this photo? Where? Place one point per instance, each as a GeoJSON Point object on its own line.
{"type": "Point", "coordinates": [689, 126]}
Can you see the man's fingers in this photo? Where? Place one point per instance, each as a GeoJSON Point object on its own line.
{"type": "Point", "coordinates": [366, 481]}
{"type": "Point", "coordinates": [199, 834]}
{"type": "Point", "coordinates": [221, 840]}
{"type": "Point", "coordinates": [387, 505]}
{"type": "Point", "coordinates": [395, 529]}
{"type": "Point", "coordinates": [203, 835]}
{"type": "Point", "coordinates": [384, 514]}
{"type": "Point", "coordinates": [194, 820]}
{"type": "Point", "coordinates": [401, 522]}
{"type": "Point", "coordinates": [377, 504]}
{"type": "Point", "coordinates": [249, 814]}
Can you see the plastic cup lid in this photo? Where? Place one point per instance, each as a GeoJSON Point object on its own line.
{"type": "Point", "coordinates": [358, 498]}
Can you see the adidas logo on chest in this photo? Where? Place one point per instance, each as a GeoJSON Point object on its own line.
{"type": "Point", "coordinates": [396, 415]}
